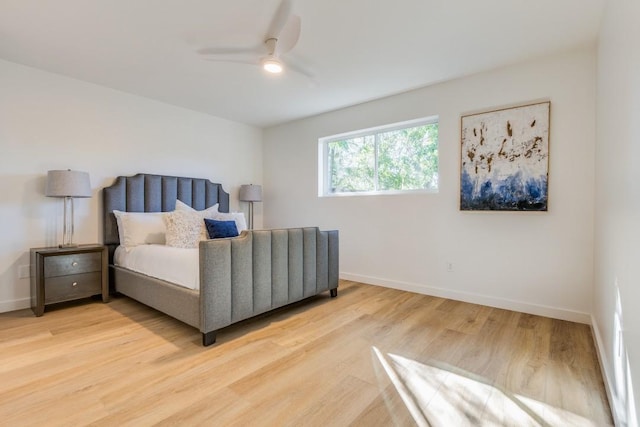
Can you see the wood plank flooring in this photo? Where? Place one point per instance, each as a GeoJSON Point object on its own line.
{"type": "Point", "coordinates": [370, 357]}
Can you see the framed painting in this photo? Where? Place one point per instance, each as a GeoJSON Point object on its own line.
{"type": "Point", "coordinates": [505, 159]}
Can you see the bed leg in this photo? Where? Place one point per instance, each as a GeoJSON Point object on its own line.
{"type": "Point", "coordinates": [334, 292]}
{"type": "Point", "coordinates": [208, 338]}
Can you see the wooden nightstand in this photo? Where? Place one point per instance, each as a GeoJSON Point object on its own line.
{"type": "Point", "coordinates": [66, 274]}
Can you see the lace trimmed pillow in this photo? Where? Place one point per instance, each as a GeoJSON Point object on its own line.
{"type": "Point", "coordinates": [183, 229]}
{"type": "Point", "coordinates": [210, 213]}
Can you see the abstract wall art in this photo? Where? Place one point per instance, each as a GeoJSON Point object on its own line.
{"type": "Point", "coordinates": [505, 159]}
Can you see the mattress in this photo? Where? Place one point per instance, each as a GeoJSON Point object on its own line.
{"type": "Point", "coordinates": [175, 265]}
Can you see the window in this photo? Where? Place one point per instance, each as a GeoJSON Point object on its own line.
{"type": "Point", "coordinates": [389, 159]}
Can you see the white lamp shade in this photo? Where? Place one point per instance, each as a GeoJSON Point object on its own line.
{"type": "Point", "coordinates": [68, 183]}
{"type": "Point", "coordinates": [250, 193]}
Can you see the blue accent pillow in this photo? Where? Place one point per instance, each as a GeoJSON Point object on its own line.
{"type": "Point", "coordinates": [220, 229]}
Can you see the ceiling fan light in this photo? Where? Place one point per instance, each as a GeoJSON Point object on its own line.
{"type": "Point", "coordinates": [272, 65]}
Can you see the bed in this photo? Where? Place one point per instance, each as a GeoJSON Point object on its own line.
{"type": "Point", "coordinates": [237, 278]}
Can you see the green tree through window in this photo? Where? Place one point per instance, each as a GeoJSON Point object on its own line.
{"type": "Point", "coordinates": [393, 158]}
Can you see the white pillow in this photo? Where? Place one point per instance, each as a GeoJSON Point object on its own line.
{"type": "Point", "coordinates": [181, 206]}
{"type": "Point", "coordinates": [140, 228]}
{"type": "Point", "coordinates": [238, 217]}
{"type": "Point", "coordinates": [183, 229]}
{"type": "Point", "coordinates": [206, 213]}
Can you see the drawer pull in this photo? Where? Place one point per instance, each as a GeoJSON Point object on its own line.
{"type": "Point", "coordinates": [74, 284]}
{"type": "Point", "coordinates": [74, 263]}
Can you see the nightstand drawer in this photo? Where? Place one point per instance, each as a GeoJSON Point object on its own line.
{"type": "Point", "coordinates": [66, 288]}
{"type": "Point", "coordinates": [72, 264]}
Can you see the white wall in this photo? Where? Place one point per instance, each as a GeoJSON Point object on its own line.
{"type": "Point", "coordinates": [533, 262]}
{"type": "Point", "coordinates": [617, 273]}
{"type": "Point", "coordinates": [53, 122]}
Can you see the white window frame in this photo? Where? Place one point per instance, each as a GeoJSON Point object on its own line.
{"type": "Point", "coordinates": [323, 157]}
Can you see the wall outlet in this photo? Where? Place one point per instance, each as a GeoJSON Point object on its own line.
{"type": "Point", "coordinates": [449, 265]}
{"type": "Point", "coordinates": [24, 271]}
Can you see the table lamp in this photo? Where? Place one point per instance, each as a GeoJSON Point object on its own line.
{"type": "Point", "coordinates": [250, 193]}
{"type": "Point", "coordinates": [68, 184]}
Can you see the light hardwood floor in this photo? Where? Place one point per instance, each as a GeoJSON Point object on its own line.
{"type": "Point", "coordinates": [371, 357]}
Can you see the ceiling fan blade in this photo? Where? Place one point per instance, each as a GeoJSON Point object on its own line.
{"type": "Point", "coordinates": [289, 35]}
{"type": "Point", "coordinates": [294, 66]}
{"type": "Point", "coordinates": [279, 19]}
{"type": "Point", "coordinates": [257, 49]}
{"type": "Point", "coordinates": [234, 61]}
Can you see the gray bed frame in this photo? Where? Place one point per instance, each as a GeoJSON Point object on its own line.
{"type": "Point", "coordinates": [240, 277]}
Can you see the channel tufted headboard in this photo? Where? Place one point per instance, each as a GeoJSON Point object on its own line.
{"type": "Point", "coordinates": [155, 193]}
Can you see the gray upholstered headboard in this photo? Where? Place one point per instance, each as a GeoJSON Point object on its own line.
{"type": "Point", "coordinates": [156, 193]}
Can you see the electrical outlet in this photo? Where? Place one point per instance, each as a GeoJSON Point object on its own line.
{"type": "Point", "coordinates": [449, 266]}
{"type": "Point", "coordinates": [24, 272]}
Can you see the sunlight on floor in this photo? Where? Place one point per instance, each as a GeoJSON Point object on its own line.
{"type": "Point", "coordinates": [623, 399]}
{"type": "Point", "coordinates": [447, 396]}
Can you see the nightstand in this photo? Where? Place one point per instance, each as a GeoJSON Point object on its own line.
{"type": "Point", "coordinates": [66, 274]}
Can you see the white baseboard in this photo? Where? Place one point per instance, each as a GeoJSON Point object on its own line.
{"type": "Point", "coordinates": [13, 305]}
{"type": "Point", "coordinates": [504, 303]}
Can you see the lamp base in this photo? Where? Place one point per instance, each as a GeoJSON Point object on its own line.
{"type": "Point", "coordinates": [68, 245]}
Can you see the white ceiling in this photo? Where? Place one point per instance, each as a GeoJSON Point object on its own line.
{"type": "Point", "coordinates": [357, 50]}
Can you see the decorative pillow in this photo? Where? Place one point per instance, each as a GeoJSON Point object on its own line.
{"type": "Point", "coordinates": [221, 229]}
{"type": "Point", "coordinates": [140, 228]}
{"type": "Point", "coordinates": [183, 229]}
{"type": "Point", "coordinates": [206, 213]}
{"type": "Point", "coordinates": [238, 217]}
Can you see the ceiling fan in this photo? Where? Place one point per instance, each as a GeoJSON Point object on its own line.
{"type": "Point", "coordinates": [281, 37]}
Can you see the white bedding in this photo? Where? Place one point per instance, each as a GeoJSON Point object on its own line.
{"type": "Point", "coordinates": [176, 265]}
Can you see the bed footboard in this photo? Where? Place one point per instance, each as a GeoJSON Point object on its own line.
{"type": "Point", "coordinates": [262, 270]}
